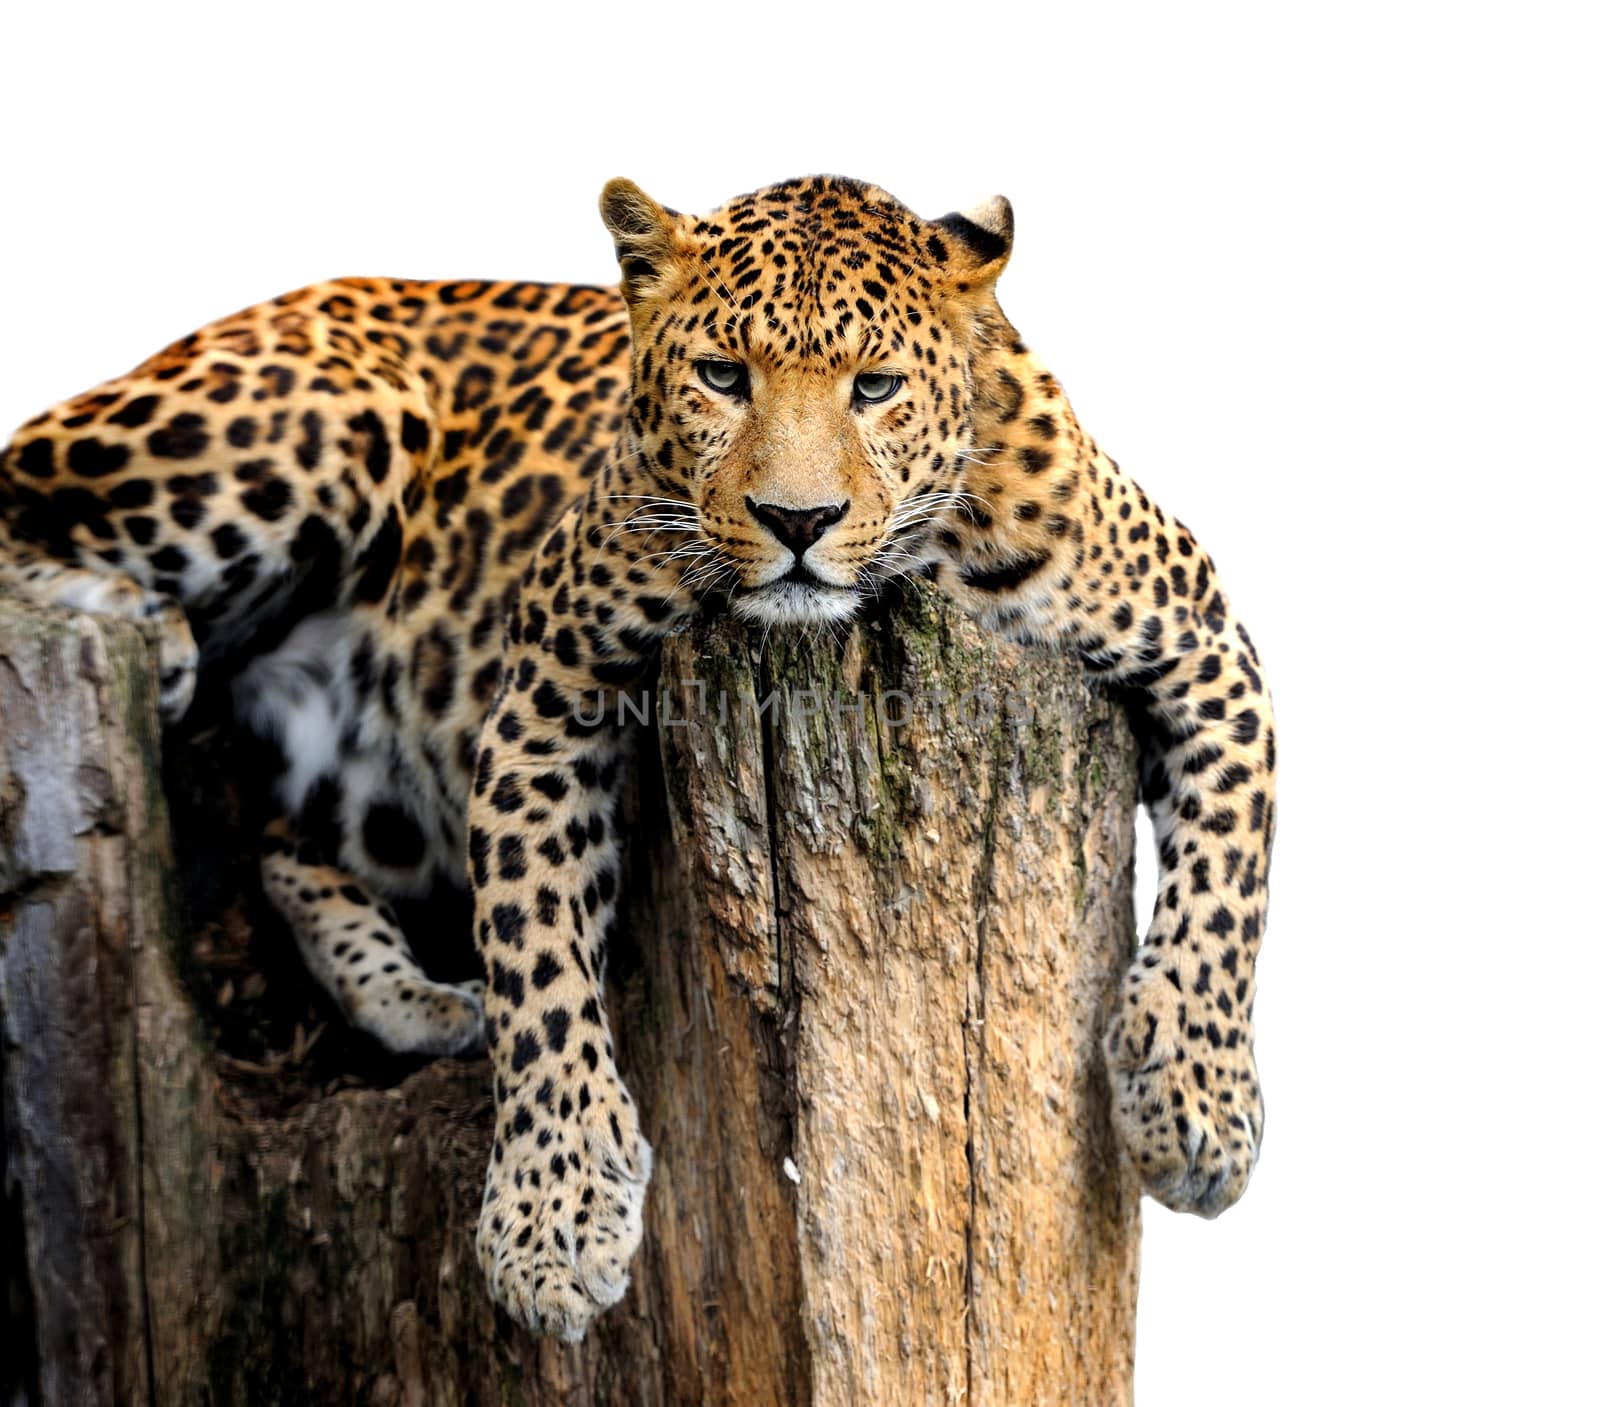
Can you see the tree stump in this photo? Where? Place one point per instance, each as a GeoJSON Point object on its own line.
{"type": "Point", "coordinates": [878, 920]}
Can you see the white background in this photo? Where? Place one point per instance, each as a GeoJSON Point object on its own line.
{"type": "Point", "coordinates": [1322, 277]}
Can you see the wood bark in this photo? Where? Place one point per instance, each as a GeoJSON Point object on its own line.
{"type": "Point", "coordinates": [874, 934]}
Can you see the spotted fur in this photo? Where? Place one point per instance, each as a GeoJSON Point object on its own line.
{"type": "Point", "coordinates": [431, 531]}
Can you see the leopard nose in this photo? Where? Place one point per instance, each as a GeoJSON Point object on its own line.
{"type": "Point", "coordinates": [797, 528]}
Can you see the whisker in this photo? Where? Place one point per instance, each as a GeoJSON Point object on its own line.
{"type": "Point", "coordinates": [646, 524]}
{"type": "Point", "coordinates": [651, 498]}
{"type": "Point", "coordinates": [933, 504]}
{"type": "Point", "coordinates": [651, 529]}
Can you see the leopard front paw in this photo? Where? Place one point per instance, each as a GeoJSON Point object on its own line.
{"type": "Point", "coordinates": [178, 656]}
{"type": "Point", "coordinates": [563, 1209]}
{"type": "Point", "coordinates": [1187, 1108]}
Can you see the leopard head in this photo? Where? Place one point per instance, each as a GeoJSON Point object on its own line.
{"type": "Point", "coordinates": [802, 384]}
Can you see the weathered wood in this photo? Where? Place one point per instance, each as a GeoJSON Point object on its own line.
{"type": "Point", "coordinates": [82, 860]}
{"type": "Point", "coordinates": [859, 1009]}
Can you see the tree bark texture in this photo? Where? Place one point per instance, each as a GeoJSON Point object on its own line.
{"type": "Point", "coordinates": [879, 915]}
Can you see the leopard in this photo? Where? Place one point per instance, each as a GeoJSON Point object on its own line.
{"type": "Point", "coordinates": [423, 530]}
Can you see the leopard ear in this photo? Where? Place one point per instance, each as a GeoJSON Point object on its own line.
{"type": "Point", "coordinates": [644, 234]}
{"type": "Point", "coordinates": [979, 241]}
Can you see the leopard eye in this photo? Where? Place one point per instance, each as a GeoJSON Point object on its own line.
{"type": "Point", "coordinates": [728, 378]}
{"type": "Point", "coordinates": [874, 386]}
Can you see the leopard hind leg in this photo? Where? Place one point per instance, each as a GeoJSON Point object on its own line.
{"type": "Point", "coordinates": [352, 944]}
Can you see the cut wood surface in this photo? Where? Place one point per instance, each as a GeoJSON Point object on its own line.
{"type": "Point", "coordinates": [878, 917]}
